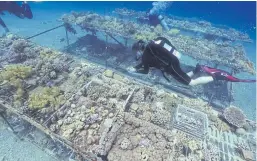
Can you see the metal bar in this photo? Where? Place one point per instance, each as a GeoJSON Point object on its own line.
{"type": "Point", "coordinates": [44, 32]}
{"type": "Point", "coordinates": [115, 39]}
{"type": "Point", "coordinates": [211, 98]}
{"type": "Point", "coordinates": [67, 37]}
{"type": "Point", "coordinates": [7, 122]}
{"type": "Point", "coordinates": [231, 88]}
{"type": "Point", "coordinates": [45, 130]}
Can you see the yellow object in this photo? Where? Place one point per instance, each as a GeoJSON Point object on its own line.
{"type": "Point", "coordinates": [46, 97]}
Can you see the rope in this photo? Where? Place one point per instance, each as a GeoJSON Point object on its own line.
{"type": "Point", "coordinates": [45, 32]}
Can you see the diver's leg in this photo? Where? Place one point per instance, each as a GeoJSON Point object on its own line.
{"type": "Point", "coordinates": [179, 74]}
{"type": "Point", "coordinates": [4, 26]}
{"type": "Point", "coordinates": [201, 80]}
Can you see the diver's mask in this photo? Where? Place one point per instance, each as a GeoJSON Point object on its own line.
{"type": "Point", "coordinates": [139, 55]}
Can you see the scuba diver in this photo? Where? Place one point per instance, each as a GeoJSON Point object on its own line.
{"type": "Point", "coordinates": [156, 19]}
{"type": "Point", "coordinates": [153, 16]}
{"type": "Point", "coordinates": [161, 54]}
{"type": "Point", "coordinates": [14, 8]}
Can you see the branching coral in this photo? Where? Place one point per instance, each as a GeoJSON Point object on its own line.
{"type": "Point", "coordinates": [46, 97]}
{"type": "Point", "coordinates": [14, 72]}
{"type": "Point", "coordinates": [234, 116]}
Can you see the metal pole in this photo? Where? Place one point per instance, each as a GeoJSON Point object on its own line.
{"type": "Point", "coordinates": [126, 42]}
{"type": "Point", "coordinates": [115, 39]}
{"type": "Point", "coordinates": [211, 98]}
{"type": "Point", "coordinates": [44, 32]}
{"type": "Point", "coordinates": [231, 87]}
{"type": "Point", "coordinates": [67, 37]}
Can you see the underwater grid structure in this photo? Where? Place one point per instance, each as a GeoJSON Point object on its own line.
{"type": "Point", "coordinates": [191, 121]}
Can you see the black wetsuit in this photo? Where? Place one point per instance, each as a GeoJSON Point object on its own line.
{"type": "Point", "coordinates": [14, 8]}
{"type": "Point", "coordinates": [155, 55]}
{"type": "Point", "coordinates": [154, 20]}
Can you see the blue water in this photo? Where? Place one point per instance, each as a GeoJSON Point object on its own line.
{"type": "Point", "coordinates": [239, 15]}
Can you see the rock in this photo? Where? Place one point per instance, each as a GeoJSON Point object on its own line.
{"type": "Point", "coordinates": [83, 108]}
{"type": "Point", "coordinates": [52, 128]}
{"type": "Point", "coordinates": [108, 73]}
{"type": "Point", "coordinates": [105, 113]}
{"type": "Point", "coordinates": [31, 82]}
{"type": "Point", "coordinates": [213, 118]}
{"type": "Point", "coordinates": [60, 122]}
{"type": "Point", "coordinates": [144, 142]}
{"type": "Point", "coordinates": [118, 77]}
{"type": "Point", "coordinates": [134, 107]}
{"type": "Point", "coordinates": [68, 121]}
{"type": "Point", "coordinates": [60, 114]}
{"type": "Point", "coordinates": [152, 137]}
{"type": "Point", "coordinates": [86, 127]}
{"type": "Point", "coordinates": [159, 105]}
{"type": "Point", "coordinates": [80, 93]}
{"type": "Point", "coordinates": [135, 140]}
{"type": "Point", "coordinates": [159, 136]}
{"type": "Point", "coordinates": [240, 131]}
{"type": "Point", "coordinates": [79, 125]}
{"type": "Point", "coordinates": [111, 115]}
{"type": "Point", "coordinates": [125, 143]}
{"type": "Point", "coordinates": [247, 127]}
{"type": "Point", "coordinates": [73, 105]}
{"type": "Point", "coordinates": [144, 157]}
{"type": "Point", "coordinates": [72, 114]}
{"type": "Point", "coordinates": [53, 74]}
{"type": "Point", "coordinates": [108, 123]}
{"type": "Point", "coordinates": [77, 117]}
{"type": "Point", "coordinates": [94, 126]}
{"type": "Point", "coordinates": [67, 133]}
{"type": "Point", "coordinates": [69, 112]}
{"type": "Point", "coordinates": [160, 93]}
{"type": "Point", "coordinates": [174, 95]}
{"type": "Point", "coordinates": [83, 119]}
{"type": "Point", "coordinates": [79, 73]}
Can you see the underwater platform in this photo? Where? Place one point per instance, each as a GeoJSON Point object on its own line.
{"type": "Point", "coordinates": [91, 111]}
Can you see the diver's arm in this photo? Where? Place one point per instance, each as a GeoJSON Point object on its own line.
{"type": "Point", "coordinates": [145, 70]}
{"type": "Point", "coordinates": [139, 66]}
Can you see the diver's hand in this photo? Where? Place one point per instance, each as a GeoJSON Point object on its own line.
{"type": "Point", "coordinates": [131, 70]}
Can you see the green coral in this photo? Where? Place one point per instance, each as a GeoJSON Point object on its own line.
{"type": "Point", "coordinates": [145, 36]}
{"type": "Point", "coordinates": [14, 73]}
{"type": "Point", "coordinates": [48, 54]}
{"type": "Point", "coordinates": [47, 97]}
{"type": "Point", "coordinates": [173, 31]}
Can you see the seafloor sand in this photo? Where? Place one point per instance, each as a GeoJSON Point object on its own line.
{"type": "Point", "coordinates": [23, 151]}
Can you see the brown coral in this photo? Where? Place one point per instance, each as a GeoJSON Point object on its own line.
{"type": "Point", "coordinates": [234, 116]}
